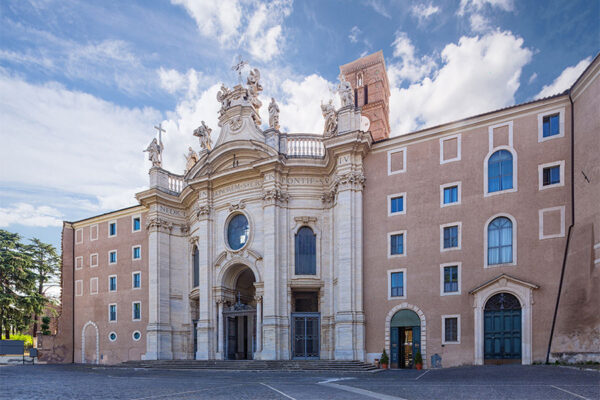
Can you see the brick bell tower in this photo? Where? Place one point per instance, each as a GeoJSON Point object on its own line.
{"type": "Point", "coordinates": [371, 91]}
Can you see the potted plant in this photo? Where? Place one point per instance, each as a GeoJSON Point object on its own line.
{"type": "Point", "coordinates": [384, 360]}
{"type": "Point", "coordinates": [418, 360]}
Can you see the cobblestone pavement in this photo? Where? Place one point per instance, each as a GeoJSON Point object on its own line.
{"type": "Point", "coordinates": [488, 383]}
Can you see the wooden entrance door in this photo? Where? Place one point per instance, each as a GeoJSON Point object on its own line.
{"type": "Point", "coordinates": [502, 328]}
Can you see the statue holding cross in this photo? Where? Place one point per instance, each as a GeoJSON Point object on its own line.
{"type": "Point", "coordinates": [155, 148]}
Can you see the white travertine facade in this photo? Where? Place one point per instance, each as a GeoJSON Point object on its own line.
{"type": "Point", "coordinates": [280, 184]}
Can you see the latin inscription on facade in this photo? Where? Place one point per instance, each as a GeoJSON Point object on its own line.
{"type": "Point", "coordinates": [170, 211]}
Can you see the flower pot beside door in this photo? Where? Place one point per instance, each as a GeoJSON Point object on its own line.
{"type": "Point", "coordinates": [418, 360]}
{"type": "Point", "coordinates": [384, 360]}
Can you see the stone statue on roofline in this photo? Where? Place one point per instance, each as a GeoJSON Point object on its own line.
{"type": "Point", "coordinates": [203, 134]}
{"type": "Point", "coordinates": [222, 97]}
{"type": "Point", "coordinates": [254, 88]}
{"type": "Point", "coordinates": [331, 119]}
{"type": "Point", "coordinates": [345, 91]}
{"type": "Point", "coordinates": [273, 115]}
{"type": "Point", "coordinates": [191, 158]}
{"type": "Point", "coordinates": [154, 151]}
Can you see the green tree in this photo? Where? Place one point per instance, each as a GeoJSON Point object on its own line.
{"type": "Point", "coordinates": [18, 297]}
{"type": "Point", "coordinates": [46, 266]}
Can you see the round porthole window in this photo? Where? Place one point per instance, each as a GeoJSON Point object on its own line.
{"type": "Point", "coordinates": [238, 231]}
{"type": "Point", "coordinates": [112, 336]}
{"type": "Point", "coordinates": [136, 335]}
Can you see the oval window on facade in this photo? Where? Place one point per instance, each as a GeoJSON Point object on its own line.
{"type": "Point", "coordinates": [112, 336]}
{"type": "Point", "coordinates": [136, 335]}
{"type": "Point", "coordinates": [237, 231]}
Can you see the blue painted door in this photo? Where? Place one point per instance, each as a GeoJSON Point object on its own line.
{"type": "Point", "coordinates": [502, 328]}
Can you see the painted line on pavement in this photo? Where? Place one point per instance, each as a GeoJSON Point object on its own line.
{"type": "Point", "coordinates": [424, 373]}
{"type": "Point", "coordinates": [188, 392]}
{"type": "Point", "coordinates": [571, 393]}
{"type": "Point", "coordinates": [364, 392]}
{"type": "Point", "coordinates": [278, 391]}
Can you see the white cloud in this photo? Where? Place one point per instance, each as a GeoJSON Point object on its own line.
{"type": "Point", "coordinates": [565, 80]}
{"type": "Point", "coordinates": [478, 74]}
{"type": "Point", "coordinates": [479, 23]}
{"type": "Point", "coordinates": [410, 67]}
{"type": "Point", "coordinates": [28, 215]}
{"type": "Point", "coordinates": [354, 33]}
{"type": "Point", "coordinates": [423, 12]}
{"type": "Point", "coordinates": [378, 7]}
{"type": "Point", "coordinates": [218, 19]}
{"type": "Point", "coordinates": [532, 78]}
{"type": "Point", "coordinates": [478, 5]}
{"type": "Point", "coordinates": [73, 142]}
{"type": "Point", "coordinates": [243, 24]}
{"type": "Point", "coordinates": [301, 104]}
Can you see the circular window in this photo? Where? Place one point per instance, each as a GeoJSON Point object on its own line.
{"type": "Point", "coordinates": [136, 335]}
{"type": "Point", "coordinates": [112, 336]}
{"type": "Point", "coordinates": [237, 231]}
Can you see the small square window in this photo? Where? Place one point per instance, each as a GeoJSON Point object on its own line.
{"type": "Point", "coordinates": [112, 283]}
{"type": "Point", "coordinates": [397, 244]}
{"type": "Point", "coordinates": [450, 237]}
{"type": "Point", "coordinates": [136, 311]}
{"type": "Point", "coordinates": [397, 284]}
{"type": "Point", "coordinates": [137, 224]}
{"type": "Point", "coordinates": [551, 126]}
{"type": "Point", "coordinates": [450, 194]}
{"type": "Point", "coordinates": [137, 253]}
{"type": "Point", "coordinates": [451, 279]}
{"type": "Point", "coordinates": [78, 262]}
{"type": "Point", "coordinates": [94, 260]}
{"type": "Point", "coordinates": [136, 280]}
{"type": "Point", "coordinates": [112, 257]}
{"type": "Point", "coordinates": [451, 330]}
{"type": "Point", "coordinates": [79, 288]}
{"type": "Point", "coordinates": [93, 285]}
{"type": "Point", "coordinates": [551, 175]}
{"type": "Point", "coordinates": [112, 229]}
{"type": "Point", "coordinates": [396, 204]}
{"type": "Point", "coordinates": [112, 312]}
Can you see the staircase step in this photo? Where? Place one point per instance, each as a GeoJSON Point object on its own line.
{"type": "Point", "coordinates": [273, 365]}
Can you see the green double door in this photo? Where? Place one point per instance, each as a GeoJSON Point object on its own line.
{"type": "Point", "coordinates": [405, 339]}
{"type": "Point", "coordinates": [502, 328]}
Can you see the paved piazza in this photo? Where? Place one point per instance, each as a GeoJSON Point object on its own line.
{"type": "Point", "coordinates": [489, 383]}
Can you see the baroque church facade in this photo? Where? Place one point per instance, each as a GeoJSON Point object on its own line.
{"type": "Point", "coordinates": [341, 244]}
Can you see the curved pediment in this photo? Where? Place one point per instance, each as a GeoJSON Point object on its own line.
{"type": "Point", "coordinates": [232, 155]}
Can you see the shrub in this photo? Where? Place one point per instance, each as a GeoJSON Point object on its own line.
{"type": "Point", "coordinates": [45, 325]}
{"type": "Point", "coordinates": [418, 358]}
{"type": "Point", "coordinates": [26, 338]}
{"type": "Point", "coordinates": [384, 358]}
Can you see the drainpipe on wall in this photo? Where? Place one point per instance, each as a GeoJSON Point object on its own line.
{"type": "Point", "coordinates": [73, 297]}
{"type": "Point", "coordinates": [564, 263]}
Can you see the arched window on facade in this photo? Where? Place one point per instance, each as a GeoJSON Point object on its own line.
{"type": "Point", "coordinates": [500, 241]}
{"type": "Point", "coordinates": [500, 171]}
{"type": "Point", "coordinates": [196, 263]}
{"type": "Point", "coordinates": [306, 252]}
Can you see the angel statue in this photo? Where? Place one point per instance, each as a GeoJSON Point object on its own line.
{"type": "Point", "coordinates": [330, 116]}
{"type": "Point", "coordinates": [203, 134]}
{"type": "Point", "coordinates": [191, 158]}
{"type": "Point", "coordinates": [254, 87]}
{"type": "Point", "coordinates": [154, 151]}
{"type": "Point", "coordinates": [273, 115]}
{"type": "Point", "coordinates": [223, 98]}
{"type": "Point", "coordinates": [345, 91]}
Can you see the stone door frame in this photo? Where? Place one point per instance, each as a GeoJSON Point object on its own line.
{"type": "Point", "coordinates": [83, 342]}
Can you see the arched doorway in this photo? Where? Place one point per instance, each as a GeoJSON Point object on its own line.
{"type": "Point", "coordinates": [502, 329]}
{"type": "Point", "coordinates": [89, 344]}
{"type": "Point", "coordinates": [240, 316]}
{"type": "Point", "coordinates": [405, 339]}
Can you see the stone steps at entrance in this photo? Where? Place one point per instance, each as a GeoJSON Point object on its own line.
{"type": "Point", "coordinates": [250, 365]}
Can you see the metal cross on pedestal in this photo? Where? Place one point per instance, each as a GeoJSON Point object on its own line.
{"type": "Point", "coordinates": [160, 130]}
{"type": "Point", "coordinates": [238, 68]}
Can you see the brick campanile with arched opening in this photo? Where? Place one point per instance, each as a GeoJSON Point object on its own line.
{"type": "Point", "coordinates": [371, 91]}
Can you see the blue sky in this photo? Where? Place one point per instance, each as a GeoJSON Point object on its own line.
{"type": "Point", "coordinates": [83, 83]}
